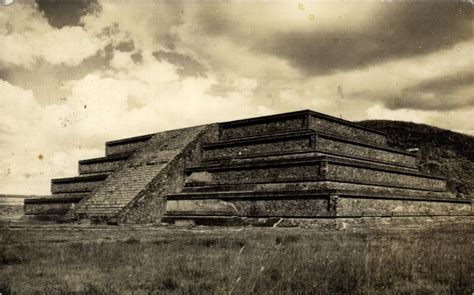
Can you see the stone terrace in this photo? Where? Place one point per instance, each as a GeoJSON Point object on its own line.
{"type": "Point", "coordinates": [303, 165]}
{"type": "Point", "coordinates": [306, 165]}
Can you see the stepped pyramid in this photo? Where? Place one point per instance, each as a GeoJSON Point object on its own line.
{"type": "Point", "coordinates": [133, 171]}
{"type": "Point", "coordinates": [288, 167]}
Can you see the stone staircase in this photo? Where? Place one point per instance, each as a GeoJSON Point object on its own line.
{"type": "Point", "coordinates": [68, 192]}
{"type": "Point", "coordinates": [108, 185]}
{"type": "Point", "coordinates": [133, 177]}
{"type": "Point", "coordinates": [305, 165]}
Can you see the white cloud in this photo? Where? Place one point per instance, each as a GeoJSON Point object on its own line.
{"type": "Point", "coordinates": [130, 100]}
{"type": "Point", "coordinates": [351, 93]}
{"type": "Point", "coordinates": [27, 38]}
{"type": "Point", "coordinates": [31, 153]}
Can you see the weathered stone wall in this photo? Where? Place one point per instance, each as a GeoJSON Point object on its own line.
{"type": "Point", "coordinates": [252, 127]}
{"type": "Point", "coordinates": [319, 186]}
{"type": "Point", "coordinates": [77, 184]}
{"type": "Point", "coordinates": [254, 174]}
{"type": "Point", "coordinates": [297, 121]}
{"type": "Point", "coordinates": [322, 206]}
{"type": "Point", "coordinates": [255, 148]}
{"type": "Point", "coordinates": [280, 146]}
{"type": "Point", "coordinates": [366, 206]}
{"type": "Point", "coordinates": [347, 173]}
{"type": "Point", "coordinates": [98, 167]}
{"type": "Point", "coordinates": [313, 170]}
{"type": "Point", "coordinates": [249, 207]}
{"type": "Point", "coordinates": [123, 148]}
{"type": "Point", "coordinates": [127, 145]}
{"type": "Point", "coordinates": [351, 131]}
{"type": "Point", "coordinates": [354, 150]}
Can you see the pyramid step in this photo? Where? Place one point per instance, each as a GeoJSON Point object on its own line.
{"type": "Point", "coordinates": [72, 195]}
{"type": "Point", "coordinates": [312, 170]}
{"type": "Point", "coordinates": [126, 145]}
{"type": "Point", "coordinates": [315, 186]}
{"type": "Point", "coordinates": [304, 141]}
{"type": "Point", "coordinates": [106, 206]}
{"type": "Point", "coordinates": [83, 183]}
{"type": "Point", "coordinates": [51, 205]}
{"type": "Point", "coordinates": [297, 156]}
{"type": "Point", "coordinates": [296, 121]}
{"type": "Point", "coordinates": [102, 164]}
{"type": "Point", "coordinates": [93, 210]}
{"type": "Point", "coordinates": [147, 165]}
{"type": "Point", "coordinates": [300, 204]}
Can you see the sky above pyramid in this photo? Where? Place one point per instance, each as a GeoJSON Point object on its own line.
{"type": "Point", "coordinates": [74, 74]}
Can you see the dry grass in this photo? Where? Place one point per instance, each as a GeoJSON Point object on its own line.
{"type": "Point", "coordinates": [270, 261]}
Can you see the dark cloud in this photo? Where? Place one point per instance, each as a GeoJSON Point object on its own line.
{"type": "Point", "coordinates": [3, 74]}
{"type": "Point", "coordinates": [126, 46]}
{"type": "Point", "coordinates": [62, 13]}
{"type": "Point", "coordinates": [187, 65]}
{"type": "Point", "coordinates": [213, 21]}
{"type": "Point", "coordinates": [394, 30]}
{"type": "Point", "coordinates": [437, 94]}
{"type": "Point", "coordinates": [136, 57]}
{"type": "Point", "coordinates": [398, 30]}
{"type": "Point", "coordinates": [445, 84]}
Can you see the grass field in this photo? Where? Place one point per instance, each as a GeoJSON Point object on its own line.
{"type": "Point", "coordinates": [155, 260]}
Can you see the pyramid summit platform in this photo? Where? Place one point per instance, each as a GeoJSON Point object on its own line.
{"type": "Point", "coordinates": [285, 168]}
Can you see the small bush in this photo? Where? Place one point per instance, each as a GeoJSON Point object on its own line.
{"type": "Point", "coordinates": [279, 240]}
{"type": "Point", "coordinates": [92, 289]}
{"type": "Point", "coordinates": [161, 242]}
{"type": "Point", "coordinates": [132, 240]}
{"type": "Point", "coordinates": [169, 284]}
{"type": "Point", "coordinates": [8, 257]}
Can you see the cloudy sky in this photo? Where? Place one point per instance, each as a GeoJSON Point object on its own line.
{"type": "Point", "coordinates": [76, 74]}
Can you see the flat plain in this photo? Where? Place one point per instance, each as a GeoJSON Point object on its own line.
{"type": "Point", "coordinates": [391, 257]}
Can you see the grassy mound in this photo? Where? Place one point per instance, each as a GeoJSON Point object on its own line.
{"type": "Point", "coordinates": [442, 152]}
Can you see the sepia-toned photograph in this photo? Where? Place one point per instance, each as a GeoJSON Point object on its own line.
{"type": "Point", "coordinates": [236, 147]}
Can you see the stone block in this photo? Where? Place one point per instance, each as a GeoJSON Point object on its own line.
{"type": "Point", "coordinates": [317, 185]}
{"type": "Point", "coordinates": [261, 146]}
{"type": "Point", "coordinates": [127, 145]}
{"type": "Point", "coordinates": [375, 153]}
{"type": "Point", "coordinates": [299, 121]}
{"type": "Point", "coordinates": [345, 129]}
{"type": "Point", "coordinates": [304, 142]}
{"type": "Point", "coordinates": [252, 206]}
{"type": "Point", "coordinates": [101, 165]}
{"type": "Point", "coordinates": [312, 169]}
{"type": "Point", "coordinates": [340, 171]}
{"type": "Point", "coordinates": [50, 206]}
{"type": "Point", "coordinates": [375, 206]}
{"type": "Point", "coordinates": [86, 183]}
{"type": "Point", "coordinates": [263, 125]}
